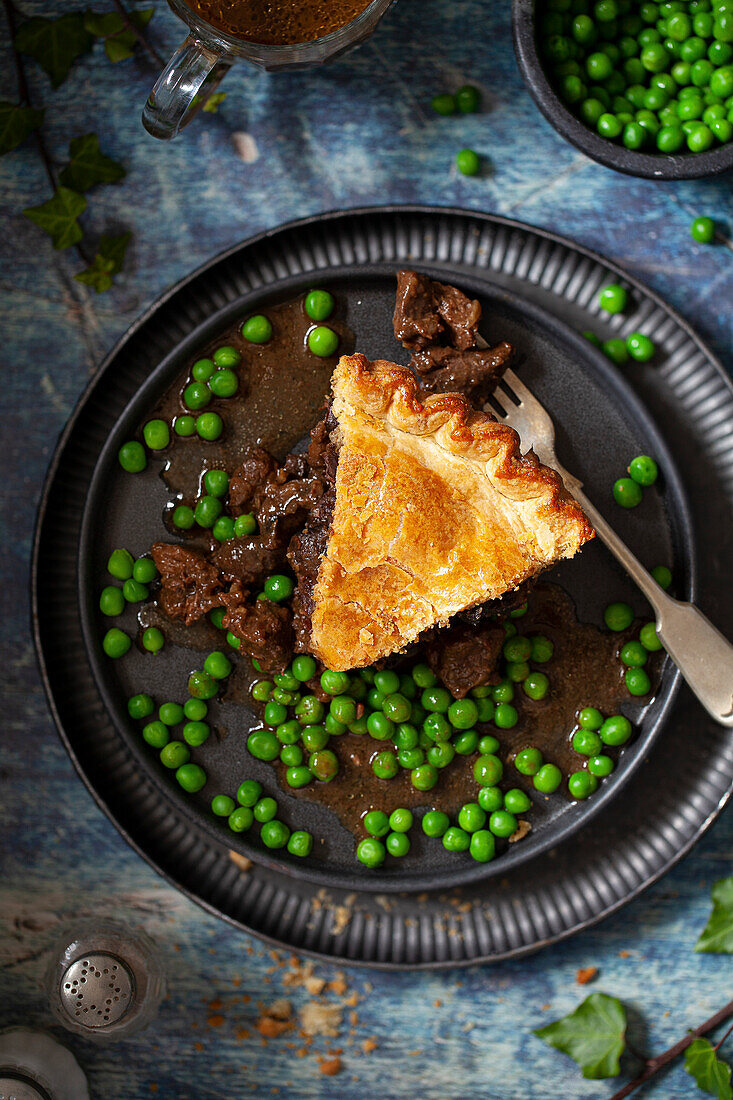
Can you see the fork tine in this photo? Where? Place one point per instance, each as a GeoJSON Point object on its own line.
{"type": "Point", "coordinates": [517, 386]}
{"type": "Point", "coordinates": [500, 404]}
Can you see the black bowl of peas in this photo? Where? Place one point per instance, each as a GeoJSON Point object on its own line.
{"type": "Point", "coordinates": [642, 86]}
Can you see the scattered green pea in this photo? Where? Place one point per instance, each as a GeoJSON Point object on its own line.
{"type": "Point", "coordinates": [111, 601]}
{"type": "Point", "coordinates": [322, 341]}
{"type": "Point", "coordinates": [131, 457]}
{"type": "Point", "coordinates": [116, 643]}
{"type": "Point", "coordinates": [468, 162]}
{"type": "Point", "coordinates": [156, 434]}
{"type": "Point", "coordinates": [371, 852]}
{"type": "Point", "coordinates": [140, 706]}
{"type": "Point", "coordinates": [257, 329]}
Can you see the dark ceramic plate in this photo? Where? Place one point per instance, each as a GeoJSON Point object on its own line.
{"type": "Point", "coordinates": [583, 391]}
{"type": "Point", "coordinates": [516, 271]}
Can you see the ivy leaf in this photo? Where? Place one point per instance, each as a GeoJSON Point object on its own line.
{"type": "Point", "coordinates": [212, 103]}
{"type": "Point", "coordinates": [16, 124]}
{"type": "Point", "coordinates": [594, 1035]}
{"type": "Point", "coordinates": [711, 1073]}
{"type": "Point", "coordinates": [58, 217]}
{"type": "Point", "coordinates": [106, 264]}
{"type": "Point", "coordinates": [120, 41]}
{"type": "Point", "coordinates": [717, 935]}
{"type": "Point", "coordinates": [88, 165]}
{"type": "Point", "coordinates": [54, 43]}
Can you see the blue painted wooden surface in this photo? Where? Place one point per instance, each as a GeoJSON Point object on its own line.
{"type": "Point", "coordinates": [358, 132]}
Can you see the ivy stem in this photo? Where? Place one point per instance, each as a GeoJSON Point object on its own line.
{"type": "Point", "coordinates": [653, 1065]}
{"type": "Point", "coordinates": [149, 49]}
{"type": "Point", "coordinates": [25, 94]}
{"type": "Point", "coordinates": [720, 1042]}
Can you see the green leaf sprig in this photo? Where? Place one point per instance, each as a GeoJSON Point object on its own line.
{"type": "Point", "coordinates": [594, 1035]}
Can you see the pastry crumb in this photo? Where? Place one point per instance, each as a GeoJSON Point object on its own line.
{"type": "Point", "coordinates": [240, 861]}
{"type": "Point", "coordinates": [520, 832]}
{"type": "Point", "coordinates": [586, 974]}
{"type": "Point", "coordinates": [331, 1067]}
{"type": "Point", "coordinates": [320, 1019]}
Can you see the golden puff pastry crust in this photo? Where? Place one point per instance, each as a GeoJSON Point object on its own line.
{"type": "Point", "coordinates": [436, 511]}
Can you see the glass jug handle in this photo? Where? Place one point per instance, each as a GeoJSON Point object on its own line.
{"type": "Point", "coordinates": [191, 75]}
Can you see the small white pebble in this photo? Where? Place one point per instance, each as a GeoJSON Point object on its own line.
{"type": "Point", "coordinates": [245, 147]}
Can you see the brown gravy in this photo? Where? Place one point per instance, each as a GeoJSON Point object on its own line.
{"type": "Point", "coordinates": [278, 22]}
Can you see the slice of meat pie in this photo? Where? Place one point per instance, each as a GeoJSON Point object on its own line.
{"type": "Point", "coordinates": [435, 510]}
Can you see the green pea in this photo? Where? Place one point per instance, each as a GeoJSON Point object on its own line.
{"type": "Point", "coordinates": [292, 756]}
{"type": "Point", "coordinates": [516, 801]}
{"type": "Point", "coordinates": [257, 329]}
{"type": "Point", "coordinates": [649, 638]}
{"type": "Point", "coordinates": [468, 99]}
{"type": "Point", "coordinates": [702, 230]}
{"type": "Point", "coordinates": [397, 844]}
{"type": "Point", "coordinates": [436, 699]}
{"type": "Point", "coordinates": [503, 692]}
{"type": "Point", "coordinates": [637, 681]}
{"type": "Point", "coordinates": [466, 743]}
{"type": "Point", "coordinates": [613, 298]}
{"type": "Point", "coordinates": [195, 709]}
{"type": "Point", "coordinates": [279, 588]}
{"type": "Point", "coordinates": [191, 777]}
{"type": "Point", "coordinates": [517, 671]}
{"type": "Point", "coordinates": [424, 676]}
{"type": "Point", "coordinates": [196, 395]}
{"type": "Point", "coordinates": [471, 817]}
{"type": "Point", "coordinates": [240, 820]}
{"type": "Point", "coordinates": [261, 691]}
{"type": "Point", "coordinates": [201, 685]}
{"type": "Point", "coordinates": [170, 713]}
{"type": "Point", "coordinates": [456, 839]}
{"type": "Point", "coordinates": [376, 823]}
{"type": "Point", "coordinates": [265, 809]}
{"type": "Point", "coordinates": [324, 765]}
{"type": "Point", "coordinates": [263, 745]}
{"type": "Point", "coordinates": [502, 823]}
{"type": "Point", "coordinates": [424, 777]}
{"type": "Point", "coordinates": [547, 779]}
{"type": "Point", "coordinates": [586, 742]}
{"type": "Point", "coordinates": [202, 370]}
{"type": "Point", "coordinates": [616, 730]}
{"type": "Point", "coordinates": [468, 162]}
{"type": "Point", "coordinates": [435, 823]}
{"type": "Point", "coordinates": [322, 341]}
{"type": "Point", "coordinates": [536, 685]}
{"type": "Point", "coordinates": [111, 601]}
{"type": "Point", "coordinates": [627, 492]}
{"type": "Point", "coordinates": [304, 667]}
{"type": "Point", "coordinates": [385, 765]}
{"type": "Point", "coordinates": [300, 843]}
{"type": "Point", "coordinates": [633, 655]}
{"type": "Point", "coordinates": [618, 617]}
{"type": "Point", "coordinates": [443, 104]}
{"type": "Point", "coordinates": [156, 734]}
{"type": "Point", "coordinates": [134, 592]}
{"type": "Point", "coordinates": [405, 736]}
{"type": "Point", "coordinates": [174, 754]}
{"type": "Point", "coordinates": [400, 820]}
{"type": "Point", "coordinates": [370, 852]}
{"type": "Point", "coordinates": [482, 846]}
{"type": "Point", "coordinates": [274, 713]}
{"type": "Point", "coordinates": [615, 350]}
{"type": "Point", "coordinates": [600, 766]}
{"type": "Point", "coordinates": [505, 716]}
{"type": "Point", "coordinates": [490, 799]}
{"type": "Point", "coordinates": [441, 754]}
{"type": "Point", "coordinates": [517, 648]}
{"type": "Point", "coordinates": [640, 347]}
{"type": "Point", "coordinates": [140, 706]}
{"type": "Point", "coordinates": [207, 511]}
{"type": "Point", "coordinates": [227, 356]}
{"type": "Point", "coordinates": [217, 665]}
{"type": "Point", "coordinates": [410, 758]}
{"type": "Point", "coordinates": [249, 792]}
{"type": "Point", "coordinates": [184, 426]}
{"type": "Point", "coordinates": [131, 457]}
{"type": "Point", "coordinates": [670, 139]}
{"type": "Point", "coordinates": [196, 733]}
{"type": "Point", "coordinates": [223, 529]}
{"type": "Point", "coordinates": [662, 575]}
{"type": "Point", "coordinates": [582, 784]}
{"type": "Point", "coordinates": [319, 305]}
{"type": "Point", "coordinates": [222, 805]}
{"type": "Point", "coordinates": [120, 564]}
{"type": "Point", "coordinates": [244, 525]}
{"type": "Point", "coordinates": [274, 834]}
{"type": "Point", "coordinates": [209, 426]}
{"type": "Point", "coordinates": [488, 770]}
{"type": "Point", "coordinates": [183, 517]}
{"type": "Point", "coordinates": [590, 718]}
{"type": "Point", "coordinates": [528, 761]}
{"type": "Point", "coordinates": [116, 643]}
{"type": "Point", "coordinates": [542, 649]}
{"type": "Point", "coordinates": [224, 383]}
{"type": "Point", "coordinates": [380, 727]}
{"type": "Point", "coordinates": [156, 434]}
{"type": "Point", "coordinates": [397, 708]}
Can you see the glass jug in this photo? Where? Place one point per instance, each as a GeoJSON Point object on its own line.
{"type": "Point", "coordinates": [198, 66]}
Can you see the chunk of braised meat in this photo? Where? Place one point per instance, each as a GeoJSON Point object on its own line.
{"type": "Point", "coordinates": [428, 312]}
{"type": "Point", "coordinates": [189, 584]}
{"type": "Point", "coordinates": [497, 610]}
{"type": "Point", "coordinates": [265, 632]}
{"type": "Point", "coordinates": [254, 470]}
{"type": "Point", "coordinates": [465, 657]}
{"type": "Point", "coordinates": [322, 451]}
{"type": "Point", "coordinates": [474, 372]}
{"type": "Point", "coordinates": [249, 559]}
{"type": "Point", "coordinates": [282, 503]}
{"type": "Point", "coordinates": [416, 321]}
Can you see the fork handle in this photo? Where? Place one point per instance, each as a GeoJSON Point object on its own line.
{"type": "Point", "coordinates": [701, 653]}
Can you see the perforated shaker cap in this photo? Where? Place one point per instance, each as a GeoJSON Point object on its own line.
{"type": "Point", "coordinates": [17, 1088]}
{"type": "Point", "coordinates": [97, 990]}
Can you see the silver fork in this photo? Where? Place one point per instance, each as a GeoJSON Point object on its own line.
{"type": "Point", "coordinates": [701, 653]}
